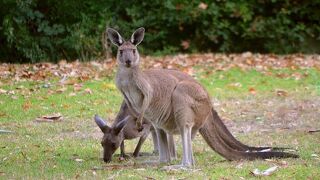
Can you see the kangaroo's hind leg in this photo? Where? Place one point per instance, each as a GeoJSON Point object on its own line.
{"type": "Point", "coordinates": [191, 106]}
{"type": "Point", "coordinates": [185, 118]}
{"type": "Point", "coordinates": [163, 145]}
{"type": "Point", "coordinates": [155, 140]}
{"type": "Point", "coordinates": [172, 147]}
{"type": "Point", "coordinates": [187, 159]}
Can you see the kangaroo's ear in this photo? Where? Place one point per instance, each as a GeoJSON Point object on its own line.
{"type": "Point", "coordinates": [102, 124]}
{"type": "Point", "coordinates": [121, 124]}
{"type": "Point", "coordinates": [114, 37]}
{"type": "Point", "coordinates": [137, 36]}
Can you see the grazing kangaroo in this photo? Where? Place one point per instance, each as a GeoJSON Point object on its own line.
{"type": "Point", "coordinates": [124, 128]}
{"type": "Point", "coordinates": [175, 103]}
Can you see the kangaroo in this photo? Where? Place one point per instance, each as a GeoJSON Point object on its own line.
{"type": "Point", "coordinates": [175, 103]}
{"type": "Point", "coordinates": [124, 128]}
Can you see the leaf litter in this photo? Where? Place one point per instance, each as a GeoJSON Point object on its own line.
{"type": "Point", "coordinates": [267, 172]}
{"type": "Point", "coordinates": [50, 118]}
{"type": "Point", "coordinates": [70, 73]}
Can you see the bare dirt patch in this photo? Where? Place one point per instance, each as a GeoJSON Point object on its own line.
{"type": "Point", "coordinates": [269, 114]}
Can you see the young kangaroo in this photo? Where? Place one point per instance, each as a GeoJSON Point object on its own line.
{"type": "Point", "coordinates": [175, 103]}
{"type": "Point", "coordinates": [124, 128]}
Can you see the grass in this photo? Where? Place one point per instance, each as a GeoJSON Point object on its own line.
{"type": "Point", "coordinates": [71, 148]}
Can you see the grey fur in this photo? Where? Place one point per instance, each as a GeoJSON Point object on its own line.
{"type": "Point", "coordinates": [124, 128]}
{"type": "Point", "coordinates": [175, 103]}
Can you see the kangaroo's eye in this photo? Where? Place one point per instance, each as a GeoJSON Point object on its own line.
{"type": "Point", "coordinates": [134, 51]}
{"type": "Point", "coordinates": [121, 51]}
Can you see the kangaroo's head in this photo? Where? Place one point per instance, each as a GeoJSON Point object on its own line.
{"type": "Point", "coordinates": [112, 138]}
{"type": "Point", "coordinates": [128, 55]}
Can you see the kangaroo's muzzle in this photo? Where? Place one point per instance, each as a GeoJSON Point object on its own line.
{"type": "Point", "coordinates": [128, 63]}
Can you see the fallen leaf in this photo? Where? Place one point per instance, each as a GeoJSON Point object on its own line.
{"type": "Point", "coordinates": [109, 86]}
{"type": "Point", "coordinates": [72, 94]}
{"type": "Point", "coordinates": [189, 71]}
{"type": "Point", "coordinates": [66, 106]}
{"type": "Point", "coordinates": [94, 173]}
{"type": "Point", "coordinates": [27, 105]}
{"type": "Point", "coordinates": [50, 118]}
{"type": "Point", "coordinates": [235, 85]}
{"type": "Point", "coordinates": [47, 85]}
{"type": "Point", "coordinates": [203, 6]}
{"type": "Point", "coordinates": [141, 169]}
{"type": "Point", "coordinates": [69, 82]}
{"type": "Point", "coordinates": [281, 163]}
{"type": "Point", "coordinates": [11, 92]}
{"type": "Point", "coordinates": [77, 87]}
{"type": "Point", "coordinates": [63, 79]}
{"type": "Point", "coordinates": [282, 93]}
{"type": "Point", "coordinates": [2, 91]}
{"type": "Point", "coordinates": [240, 165]}
{"type": "Point", "coordinates": [185, 44]}
{"type": "Point", "coordinates": [266, 172]}
{"type": "Point", "coordinates": [61, 90]}
{"type": "Point", "coordinates": [252, 91]}
{"type": "Point", "coordinates": [2, 114]}
{"type": "Point", "coordinates": [14, 97]}
{"type": "Point", "coordinates": [88, 91]}
{"type": "Point", "coordinates": [78, 160]}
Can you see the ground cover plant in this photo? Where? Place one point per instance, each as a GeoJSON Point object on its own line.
{"type": "Point", "coordinates": [264, 100]}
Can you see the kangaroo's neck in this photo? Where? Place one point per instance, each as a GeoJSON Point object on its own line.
{"type": "Point", "coordinates": [129, 73]}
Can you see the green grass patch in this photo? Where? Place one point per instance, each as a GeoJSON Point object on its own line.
{"type": "Point", "coordinates": [236, 82]}
{"type": "Point", "coordinates": [71, 149]}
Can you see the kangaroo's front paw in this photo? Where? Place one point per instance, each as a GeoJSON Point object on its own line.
{"type": "Point", "coordinates": [139, 126]}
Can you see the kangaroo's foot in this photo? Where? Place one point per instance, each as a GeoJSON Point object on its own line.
{"type": "Point", "coordinates": [143, 154]}
{"type": "Point", "coordinates": [135, 154]}
{"type": "Point", "coordinates": [155, 152]}
{"type": "Point", "coordinates": [177, 167]}
{"type": "Point", "coordinates": [123, 157]}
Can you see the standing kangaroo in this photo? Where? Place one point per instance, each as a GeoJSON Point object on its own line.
{"type": "Point", "coordinates": [175, 103]}
{"type": "Point", "coordinates": [124, 128]}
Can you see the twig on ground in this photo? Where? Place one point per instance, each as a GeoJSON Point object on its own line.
{"type": "Point", "coordinates": [2, 131]}
{"type": "Point", "coordinates": [314, 131]}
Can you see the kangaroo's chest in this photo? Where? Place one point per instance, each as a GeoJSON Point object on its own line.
{"type": "Point", "coordinates": [131, 93]}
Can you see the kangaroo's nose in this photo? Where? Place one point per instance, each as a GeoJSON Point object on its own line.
{"type": "Point", "coordinates": [128, 62]}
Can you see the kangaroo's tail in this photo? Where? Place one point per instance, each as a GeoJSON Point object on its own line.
{"type": "Point", "coordinates": [229, 139]}
{"type": "Point", "coordinates": [222, 141]}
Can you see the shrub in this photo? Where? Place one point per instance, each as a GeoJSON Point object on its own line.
{"type": "Point", "coordinates": [35, 30]}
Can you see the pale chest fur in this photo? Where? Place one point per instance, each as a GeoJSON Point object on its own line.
{"type": "Point", "coordinates": [126, 84]}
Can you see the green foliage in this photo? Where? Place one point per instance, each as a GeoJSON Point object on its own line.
{"type": "Point", "coordinates": [34, 30]}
